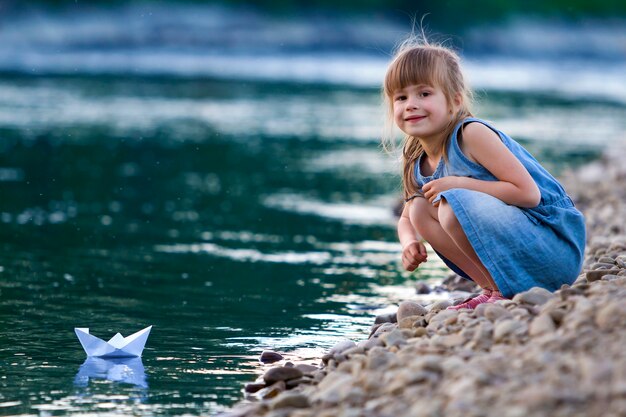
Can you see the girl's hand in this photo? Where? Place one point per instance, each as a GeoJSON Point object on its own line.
{"type": "Point", "coordinates": [432, 189]}
{"type": "Point", "coordinates": [413, 255]}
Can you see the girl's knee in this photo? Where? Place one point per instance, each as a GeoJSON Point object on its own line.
{"type": "Point", "coordinates": [447, 218]}
{"type": "Point", "coordinates": [419, 214]}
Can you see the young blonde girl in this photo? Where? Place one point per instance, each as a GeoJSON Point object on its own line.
{"type": "Point", "coordinates": [485, 205]}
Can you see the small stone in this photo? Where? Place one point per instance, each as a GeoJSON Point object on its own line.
{"type": "Point", "coordinates": [611, 316]}
{"type": "Point", "coordinates": [422, 288]}
{"type": "Point", "coordinates": [598, 274]}
{"type": "Point", "coordinates": [410, 308]}
{"type": "Point", "coordinates": [386, 318]}
{"type": "Point", "coordinates": [281, 373]}
{"type": "Point", "coordinates": [480, 309]}
{"type": "Point", "coordinates": [610, 277]}
{"type": "Point", "coordinates": [370, 343]}
{"type": "Point", "coordinates": [269, 356]}
{"type": "Point", "coordinates": [306, 369]}
{"type": "Point", "coordinates": [439, 305]}
{"type": "Point", "coordinates": [353, 351]}
{"type": "Point", "coordinates": [378, 357]}
{"type": "Point", "coordinates": [292, 383]}
{"type": "Point", "coordinates": [495, 312]}
{"type": "Point", "coordinates": [606, 260]}
{"type": "Point", "coordinates": [452, 340]}
{"type": "Point", "coordinates": [534, 296]}
{"type": "Point", "coordinates": [442, 316]}
{"type": "Point", "coordinates": [334, 388]}
{"type": "Point", "coordinates": [509, 327]}
{"type": "Point", "coordinates": [382, 329]}
{"type": "Point", "coordinates": [601, 265]}
{"type": "Point", "coordinates": [253, 387]}
{"type": "Point", "coordinates": [290, 399]}
{"type": "Point", "coordinates": [272, 391]}
{"type": "Point", "coordinates": [342, 346]}
{"type": "Point", "coordinates": [394, 338]}
{"type": "Point", "coordinates": [407, 322]}
{"type": "Point", "coordinates": [420, 331]}
{"type": "Point", "coordinates": [520, 313]}
{"type": "Point", "coordinates": [542, 324]}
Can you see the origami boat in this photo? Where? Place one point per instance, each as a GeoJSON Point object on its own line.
{"type": "Point", "coordinates": [117, 347]}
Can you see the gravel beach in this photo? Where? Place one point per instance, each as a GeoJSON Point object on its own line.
{"type": "Point", "coordinates": [539, 354]}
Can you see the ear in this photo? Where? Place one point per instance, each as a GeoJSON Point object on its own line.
{"type": "Point", "coordinates": [456, 103]}
{"type": "Point", "coordinates": [458, 100]}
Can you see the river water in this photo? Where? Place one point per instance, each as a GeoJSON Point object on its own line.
{"type": "Point", "coordinates": [234, 198]}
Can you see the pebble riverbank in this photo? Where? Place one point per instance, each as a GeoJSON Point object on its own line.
{"type": "Point", "coordinates": [539, 354]}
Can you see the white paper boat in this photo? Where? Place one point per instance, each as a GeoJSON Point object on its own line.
{"type": "Point", "coordinates": [117, 347]}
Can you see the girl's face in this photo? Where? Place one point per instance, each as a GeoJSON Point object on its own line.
{"type": "Point", "coordinates": [422, 111]}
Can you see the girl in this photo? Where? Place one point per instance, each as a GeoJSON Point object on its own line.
{"type": "Point", "coordinates": [486, 206]}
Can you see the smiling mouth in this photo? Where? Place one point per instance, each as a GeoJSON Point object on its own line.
{"type": "Point", "coordinates": [414, 118]}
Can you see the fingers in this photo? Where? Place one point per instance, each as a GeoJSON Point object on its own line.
{"type": "Point", "coordinates": [422, 250]}
{"type": "Point", "coordinates": [413, 255]}
{"type": "Point", "coordinates": [430, 192]}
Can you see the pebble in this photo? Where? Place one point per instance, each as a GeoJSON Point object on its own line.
{"type": "Point", "coordinates": [542, 324]}
{"type": "Point", "coordinates": [495, 312]}
{"type": "Point", "coordinates": [396, 337]}
{"type": "Point", "coordinates": [422, 288]}
{"type": "Point", "coordinates": [602, 265]}
{"type": "Point", "coordinates": [606, 260]}
{"type": "Point", "coordinates": [386, 318]}
{"type": "Point", "coordinates": [342, 346]}
{"type": "Point", "coordinates": [611, 315]}
{"type": "Point", "coordinates": [281, 373]}
{"type": "Point", "coordinates": [507, 328]}
{"type": "Point", "coordinates": [598, 274]}
{"type": "Point", "coordinates": [534, 296]}
{"type": "Point", "coordinates": [254, 387]}
{"type": "Point", "coordinates": [439, 305]}
{"type": "Point", "coordinates": [378, 357]}
{"type": "Point", "coordinates": [306, 369]}
{"type": "Point", "coordinates": [269, 356]}
{"type": "Point", "coordinates": [410, 308]}
{"type": "Point", "coordinates": [408, 322]}
{"type": "Point", "coordinates": [290, 399]}
{"type": "Point", "coordinates": [272, 390]}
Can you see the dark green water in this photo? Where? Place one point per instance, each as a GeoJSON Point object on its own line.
{"type": "Point", "coordinates": [232, 216]}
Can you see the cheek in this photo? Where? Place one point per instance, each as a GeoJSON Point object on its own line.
{"type": "Point", "coordinates": [397, 115]}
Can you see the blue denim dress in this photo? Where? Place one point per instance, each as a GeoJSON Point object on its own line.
{"type": "Point", "coordinates": [520, 247]}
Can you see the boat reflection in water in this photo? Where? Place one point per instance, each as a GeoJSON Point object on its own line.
{"type": "Point", "coordinates": [125, 370]}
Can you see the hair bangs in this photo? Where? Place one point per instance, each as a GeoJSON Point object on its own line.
{"type": "Point", "coordinates": [413, 67]}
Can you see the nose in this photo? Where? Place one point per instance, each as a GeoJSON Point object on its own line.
{"type": "Point", "coordinates": [412, 103]}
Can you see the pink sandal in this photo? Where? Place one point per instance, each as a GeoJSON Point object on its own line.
{"type": "Point", "coordinates": [496, 296]}
{"type": "Point", "coordinates": [471, 303]}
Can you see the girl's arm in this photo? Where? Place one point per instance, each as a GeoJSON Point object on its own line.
{"type": "Point", "coordinates": [413, 250]}
{"type": "Point", "coordinates": [515, 186]}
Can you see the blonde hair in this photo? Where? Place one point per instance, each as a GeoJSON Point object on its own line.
{"type": "Point", "coordinates": [416, 61]}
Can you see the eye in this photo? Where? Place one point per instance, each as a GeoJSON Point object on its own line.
{"type": "Point", "coordinates": [400, 97]}
{"type": "Point", "coordinates": [425, 93]}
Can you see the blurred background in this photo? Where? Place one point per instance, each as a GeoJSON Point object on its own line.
{"type": "Point", "coordinates": [214, 169]}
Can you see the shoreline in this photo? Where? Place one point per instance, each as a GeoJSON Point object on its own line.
{"type": "Point", "coordinates": [539, 354]}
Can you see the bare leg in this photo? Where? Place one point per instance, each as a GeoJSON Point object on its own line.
{"type": "Point", "coordinates": [425, 218]}
{"type": "Point", "coordinates": [450, 224]}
